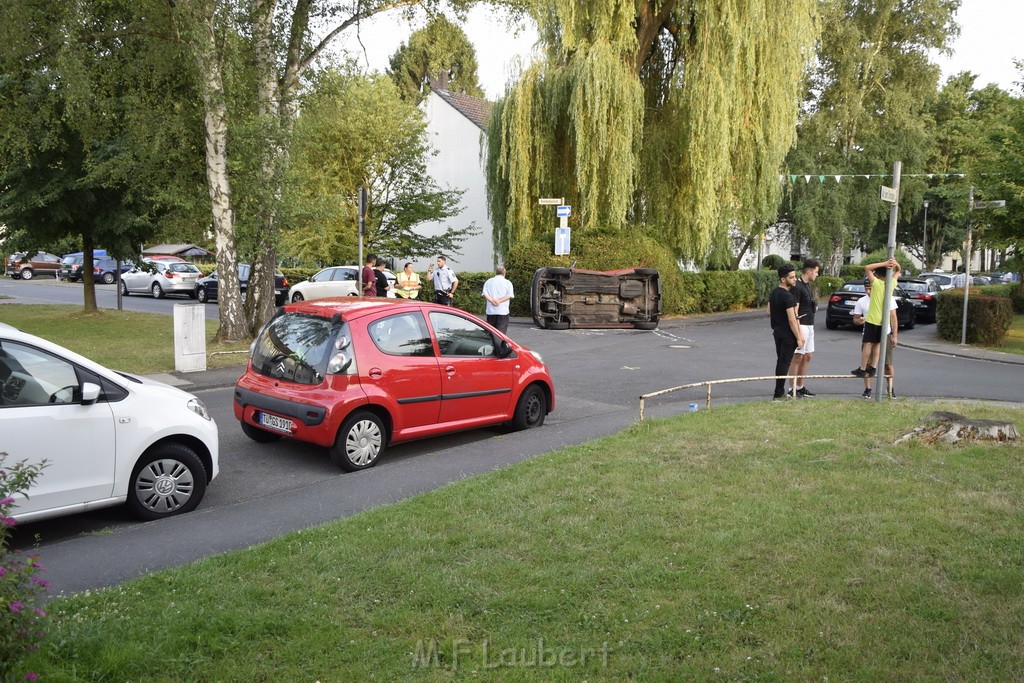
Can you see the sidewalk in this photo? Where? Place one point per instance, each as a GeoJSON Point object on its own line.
{"type": "Point", "coordinates": [225, 377]}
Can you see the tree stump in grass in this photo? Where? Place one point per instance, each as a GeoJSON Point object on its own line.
{"type": "Point", "coordinates": [953, 428]}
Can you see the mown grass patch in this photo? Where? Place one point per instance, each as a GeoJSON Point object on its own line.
{"type": "Point", "coordinates": [122, 340]}
{"type": "Point", "coordinates": [758, 542]}
{"type": "Point", "coordinates": [1013, 342]}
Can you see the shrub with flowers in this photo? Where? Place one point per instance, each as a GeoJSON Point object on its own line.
{"type": "Point", "coordinates": [20, 586]}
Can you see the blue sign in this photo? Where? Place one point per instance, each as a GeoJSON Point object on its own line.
{"type": "Point", "coordinates": [562, 241]}
{"type": "Point", "coordinates": [563, 211]}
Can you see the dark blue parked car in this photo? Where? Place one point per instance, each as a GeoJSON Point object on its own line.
{"type": "Point", "coordinates": [206, 287]}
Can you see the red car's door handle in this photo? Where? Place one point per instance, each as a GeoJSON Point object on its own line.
{"type": "Point", "coordinates": [450, 369]}
{"type": "Point", "coordinates": [375, 373]}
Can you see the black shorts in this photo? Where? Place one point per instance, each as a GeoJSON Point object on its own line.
{"type": "Point", "coordinates": [872, 334]}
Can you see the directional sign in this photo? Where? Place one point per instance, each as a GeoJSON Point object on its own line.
{"type": "Point", "coordinates": [563, 211]}
{"type": "Point", "coordinates": [551, 201]}
{"type": "Point", "coordinates": [995, 204]}
{"type": "Point", "coordinates": [889, 194]}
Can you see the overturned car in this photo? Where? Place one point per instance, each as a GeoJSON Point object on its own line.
{"type": "Point", "coordinates": [567, 297]}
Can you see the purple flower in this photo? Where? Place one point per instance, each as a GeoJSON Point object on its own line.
{"type": "Point", "coordinates": [7, 521]}
{"type": "Point", "coordinates": [31, 676]}
{"type": "Point", "coordinates": [6, 501]}
{"type": "Point", "coordinates": [39, 611]}
{"type": "Point", "coordinates": [16, 606]}
{"type": "Point", "coordinates": [3, 571]}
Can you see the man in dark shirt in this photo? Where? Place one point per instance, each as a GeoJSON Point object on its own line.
{"type": "Point", "coordinates": [367, 278]}
{"type": "Point", "coordinates": [785, 328]}
{"type": "Point", "coordinates": [807, 304]}
{"type": "Point", "coordinates": [382, 280]}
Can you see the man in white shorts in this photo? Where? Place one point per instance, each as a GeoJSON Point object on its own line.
{"type": "Point", "coordinates": [807, 304]}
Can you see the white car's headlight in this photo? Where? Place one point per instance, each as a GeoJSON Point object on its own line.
{"type": "Point", "coordinates": [538, 357]}
{"type": "Point", "coordinates": [199, 408]}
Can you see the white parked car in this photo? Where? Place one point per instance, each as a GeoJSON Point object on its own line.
{"type": "Point", "coordinates": [333, 281]}
{"type": "Point", "coordinates": [161, 276]}
{"type": "Point", "coordinates": [108, 438]}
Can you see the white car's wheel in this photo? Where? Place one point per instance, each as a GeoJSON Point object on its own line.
{"type": "Point", "coordinates": [297, 297]}
{"type": "Point", "coordinates": [168, 480]}
{"type": "Point", "coordinates": [158, 291]}
{"type": "Point", "coordinates": [124, 289]}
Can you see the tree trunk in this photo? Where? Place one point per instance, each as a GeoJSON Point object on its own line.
{"type": "Point", "coordinates": [743, 250]}
{"type": "Point", "coordinates": [88, 282]}
{"type": "Point", "coordinates": [232, 322]}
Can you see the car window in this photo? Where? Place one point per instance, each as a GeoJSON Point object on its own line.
{"type": "Point", "coordinates": [294, 347]}
{"type": "Point", "coordinates": [323, 275]}
{"type": "Point", "coordinates": [30, 377]}
{"type": "Point", "coordinates": [914, 286]}
{"type": "Point", "coordinates": [853, 287]}
{"type": "Point", "coordinates": [457, 336]}
{"type": "Point", "coordinates": [344, 274]}
{"type": "Point", "coordinates": [402, 335]}
{"type": "Point", "coordinates": [183, 267]}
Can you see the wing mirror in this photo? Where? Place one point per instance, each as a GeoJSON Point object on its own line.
{"type": "Point", "coordinates": [90, 393]}
{"type": "Point", "coordinates": [504, 349]}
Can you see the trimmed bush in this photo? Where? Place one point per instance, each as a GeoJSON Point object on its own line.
{"type": "Point", "coordinates": [988, 317]}
{"type": "Point", "coordinates": [827, 285]}
{"type": "Point", "coordinates": [765, 281]}
{"type": "Point", "coordinates": [727, 290]}
{"type": "Point", "coordinates": [772, 262]}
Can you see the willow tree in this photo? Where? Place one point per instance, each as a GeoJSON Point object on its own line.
{"type": "Point", "coordinates": [669, 117]}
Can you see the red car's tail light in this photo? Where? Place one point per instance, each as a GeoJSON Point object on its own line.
{"type": "Point", "coordinates": [835, 298]}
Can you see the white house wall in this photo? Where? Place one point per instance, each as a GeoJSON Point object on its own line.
{"type": "Point", "coordinates": [458, 165]}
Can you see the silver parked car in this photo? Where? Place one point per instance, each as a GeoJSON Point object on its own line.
{"type": "Point", "coordinates": [159, 277]}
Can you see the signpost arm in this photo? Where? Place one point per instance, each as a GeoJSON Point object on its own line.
{"type": "Point", "coordinates": [894, 210]}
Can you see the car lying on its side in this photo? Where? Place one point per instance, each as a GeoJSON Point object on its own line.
{"type": "Point", "coordinates": [840, 306]}
{"type": "Point", "coordinates": [567, 297]}
{"type": "Point", "coordinates": [107, 437]}
{"type": "Point", "coordinates": [355, 375]}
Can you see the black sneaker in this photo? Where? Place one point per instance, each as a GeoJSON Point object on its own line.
{"type": "Point", "coordinates": [858, 372]}
{"type": "Point", "coordinates": [866, 394]}
{"type": "Point", "coordinates": [802, 391]}
{"type": "Point", "coordinates": [871, 371]}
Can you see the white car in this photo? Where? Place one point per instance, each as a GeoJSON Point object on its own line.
{"type": "Point", "coordinates": [161, 276]}
{"type": "Point", "coordinates": [333, 281]}
{"type": "Point", "coordinates": [108, 438]}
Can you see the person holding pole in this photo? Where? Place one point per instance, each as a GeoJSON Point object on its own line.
{"type": "Point", "coordinates": [874, 275]}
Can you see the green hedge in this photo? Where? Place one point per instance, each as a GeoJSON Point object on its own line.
{"type": "Point", "coordinates": [988, 317]}
{"type": "Point", "coordinates": [1010, 291]}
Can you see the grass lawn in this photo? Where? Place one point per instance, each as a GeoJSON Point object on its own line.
{"type": "Point", "coordinates": [1014, 340]}
{"type": "Point", "coordinates": [121, 340]}
{"type": "Point", "coordinates": [763, 541]}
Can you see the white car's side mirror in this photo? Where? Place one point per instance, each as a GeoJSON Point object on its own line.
{"type": "Point", "coordinates": [90, 393]}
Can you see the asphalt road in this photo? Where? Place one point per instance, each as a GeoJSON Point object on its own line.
{"type": "Point", "coordinates": [48, 290]}
{"type": "Point", "coordinates": [267, 490]}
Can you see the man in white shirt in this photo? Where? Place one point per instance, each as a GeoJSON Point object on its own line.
{"type": "Point", "coordinates": [445, 282]}
{"type": "Point", "coordinates": [498, 292]}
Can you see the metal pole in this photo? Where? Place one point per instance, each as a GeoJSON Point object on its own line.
{"type": "Point", "coordinates": [924, 241]}
{"type": "Point", "coordinates": [362, 228]}
{"type": "Point", "coordinates": [967, 266]}
{"type": "Point", "coordinates": [894, 211]}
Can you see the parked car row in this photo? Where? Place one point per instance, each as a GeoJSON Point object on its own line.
{"type": "Point", "coordinates": [840, 306]}
{"type": "Point", "coordinates": [334, 281]}
{"type": "Point", "coordinates": [351, 375]}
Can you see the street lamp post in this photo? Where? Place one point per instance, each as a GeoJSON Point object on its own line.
{"type": "Point", "coordinates": [924, 242]}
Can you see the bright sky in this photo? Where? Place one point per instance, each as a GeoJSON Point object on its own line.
{"type": "Point", "coordinates": [990, 39]}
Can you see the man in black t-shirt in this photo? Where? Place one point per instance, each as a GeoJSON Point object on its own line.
{"type": "Point", "coordinates": [785, 328]}
{"type": "Point", "coordinates": [807, 304]}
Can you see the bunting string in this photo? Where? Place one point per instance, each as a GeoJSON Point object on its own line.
{"type": "Point", "coordinates": [821, 177]}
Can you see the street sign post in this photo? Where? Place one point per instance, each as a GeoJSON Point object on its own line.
{"type": "Point", "coordinates": [563, 211]}
{"type": "Point", "coordinates": [889, 194]}
{"type": "Point", "coordinates": [971, 207]}
{"type": "Point", "coordinates": [551, 201]}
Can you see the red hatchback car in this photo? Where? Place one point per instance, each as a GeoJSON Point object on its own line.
{"type": "Point", "coordinates": [355, 375]}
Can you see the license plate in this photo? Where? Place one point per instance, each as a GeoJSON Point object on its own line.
{"type": "Point", "coordinates": [189, 280]}
{"type": "Point", "coordinates": [274, 422]}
